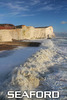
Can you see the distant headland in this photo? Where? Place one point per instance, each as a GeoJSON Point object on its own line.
{"type": "Point", "coordinates": [9, 32]}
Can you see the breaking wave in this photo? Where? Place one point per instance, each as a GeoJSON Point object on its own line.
{"type": "Point", "coordinates": [32, 75]}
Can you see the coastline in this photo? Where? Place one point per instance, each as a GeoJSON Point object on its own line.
{"type": "Point", "coordinates": [38, 68]}
{"type": "Point", "coordinates": [15, 44]}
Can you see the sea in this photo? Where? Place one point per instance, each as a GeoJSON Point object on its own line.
{"type": "Point", "coordinates": [42, 68]}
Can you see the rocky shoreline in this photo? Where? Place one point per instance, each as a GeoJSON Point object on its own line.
{"type": "Point", "coordinates": [12, 45]}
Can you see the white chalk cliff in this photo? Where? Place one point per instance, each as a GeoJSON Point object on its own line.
{"type": "Point", "coordinates": [26, 32]}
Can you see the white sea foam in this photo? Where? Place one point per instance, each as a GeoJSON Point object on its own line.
{"type": "Point", "coordinates": [31, 74]}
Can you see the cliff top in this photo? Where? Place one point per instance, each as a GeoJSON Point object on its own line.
{"type": "Point", "coordinates": [20, 26]}
{"type": "Point", "coordinates": [11, 26]}
{"type": "Point", "coordinates": [7, 26]}
{"type": "Point", "coordinates": [43, 27]}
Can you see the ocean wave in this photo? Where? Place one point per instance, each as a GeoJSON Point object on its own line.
{"type": "Point", "coordinates": [31, 74]}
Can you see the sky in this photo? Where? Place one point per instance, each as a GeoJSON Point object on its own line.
{"type": "Point", "coordinates": [37, 13]}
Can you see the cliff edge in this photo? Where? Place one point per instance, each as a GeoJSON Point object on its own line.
{"type": "Point", "coordinates": [10, 32]}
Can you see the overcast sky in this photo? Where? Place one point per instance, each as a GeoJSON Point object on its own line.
{"type": "Point", "coordinates": [35, 13]}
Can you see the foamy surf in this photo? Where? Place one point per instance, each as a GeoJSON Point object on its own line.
{"type": "Point", "coordinates": [39, 72]}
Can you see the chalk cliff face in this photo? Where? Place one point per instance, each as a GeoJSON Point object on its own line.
{"type": "Point", "coordinates": [45, 32]}
{"type": "Point", "coordinates": [24, 32]}
{"type": "Point", "coordinates": [8, 35]}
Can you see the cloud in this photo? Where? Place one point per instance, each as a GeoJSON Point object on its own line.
{"type": "Point", "coordinates": [45, 3]}
{"type": "Point", "coordinates": [22, 7]}
{"type": "Point", "coordinates": [1, 15]}
{"type": "Point", "coordinates": [25, 15]}
{"type": "Point", "coordinates": [17, 7]}
{"type": "Point", "coordinates": [50, 7]}
{"type": "Point", "coordinates": [47, 7]}
{"type": "Point", "coordinates": [63, 22]}
{"type": "Point", "coordinates": [34, 2]}
{"type": "Point", "coordinates": [17, 14]}
{"type": "Point", "coordinates": [13, 8]}
{"type": "Point", "coordinates": [20, 2]}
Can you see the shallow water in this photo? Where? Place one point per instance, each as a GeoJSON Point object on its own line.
{"type": "Point", "coordinates": [46, 69]}
{"type": "Point", "coordinates": [13, 58]}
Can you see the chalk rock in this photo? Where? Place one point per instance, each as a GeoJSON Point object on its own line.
{"type": "Point", "coordinates": [25, 32]}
